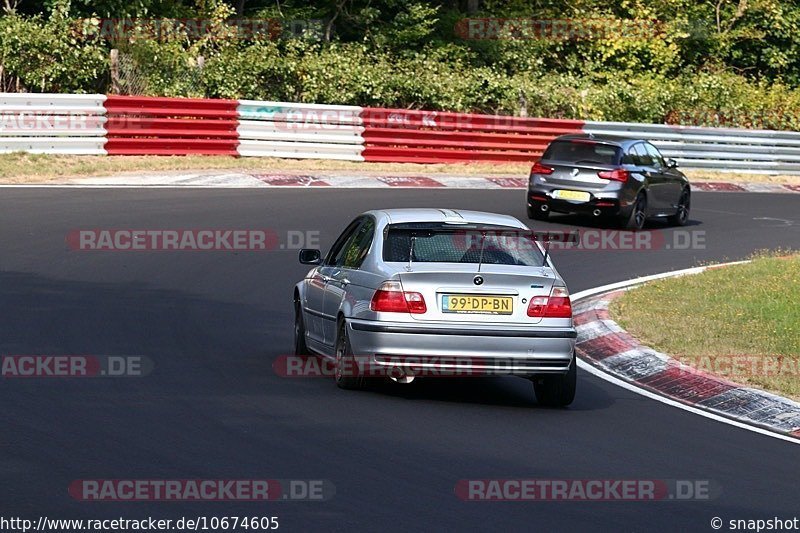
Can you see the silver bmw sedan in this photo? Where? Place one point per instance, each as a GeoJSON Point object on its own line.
{"type": "Point", "coordinates": [409, 293]}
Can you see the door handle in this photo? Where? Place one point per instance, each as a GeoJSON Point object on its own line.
{"type": "Point", "coordinates": [326, 278]}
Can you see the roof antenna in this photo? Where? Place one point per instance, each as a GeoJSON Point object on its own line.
{"type": "Point", "coordinates": [546, 248]}
{"type": "Point", "coordinates": [483, 242]}
{"type": "Point", "coordinates": [411, 251]}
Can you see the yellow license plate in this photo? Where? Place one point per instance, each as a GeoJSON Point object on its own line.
{"type": "Point", "coordinates": [578, 196]}
{"type": "Point", "coordinates": [471, 303]}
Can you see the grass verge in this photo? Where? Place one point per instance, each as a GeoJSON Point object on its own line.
{"type": "Point", "coordinates": [22, 168]}
{"type": "Point", "coordinates": [42, 168]}
{"type": "Point", "coordinates": [740, 322]}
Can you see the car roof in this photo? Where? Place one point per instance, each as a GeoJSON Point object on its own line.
{"type": "Point", "coordinates": [618, 140]}
{"type": "Point", "coordinates": [404, 216]}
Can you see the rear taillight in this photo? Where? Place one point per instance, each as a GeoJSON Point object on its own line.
{"type": "Point", "coordinates": [537, 306]}
{"type": "Point", "coordinates": [391, 298]}
{"type": "Point", "coordinates": [557, 305]}
{"type": "Point", "coordinates": [539, 168]}
{"type": "Point", "coordinates": [618, 174]}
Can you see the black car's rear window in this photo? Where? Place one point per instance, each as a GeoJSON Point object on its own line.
{"type": "Point", "coordinates": [583, 152]}
{"type": "Point", "coordinates": [501, 246]}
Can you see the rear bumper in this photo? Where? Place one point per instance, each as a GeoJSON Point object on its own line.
{"type": "Point", "coordinates": [608, 203]}
{"type": "Point", "coordinates": [420, 349]}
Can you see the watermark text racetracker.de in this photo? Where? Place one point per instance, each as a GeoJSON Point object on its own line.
{"type": "Point", "coordinates": [583, 239]}
{"type": "Point", "coordinates": [43, 122]}
{"type": "Point", "coordinates": [557, 29]}
{"type": "Point", "coordinates": [245, 490]}
{"type": "Point", "coordinates": [162, 29]}
{"type": "Point", "coordinates": [74, 366]}
{"type": "Point", "coordinates": [173, 239]}
{"type": "Point", "coordinates": [603, 239]}
{"type": "Point", "coordinates": [740, 366]}
{"type": "Point", "coordinates": [605, 490]}
{"type": "Point", "coordinates": [394, 366]}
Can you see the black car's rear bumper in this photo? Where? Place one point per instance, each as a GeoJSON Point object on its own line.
{"type": "Point", "coordinates": [607, 204]}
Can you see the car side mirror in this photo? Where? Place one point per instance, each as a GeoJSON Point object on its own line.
{"type": "Point", "coordinates": [310, 256]}
{"type": "Point", "coordinates": [671, 163]}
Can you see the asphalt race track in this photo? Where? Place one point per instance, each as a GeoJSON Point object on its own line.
{"type": "Point", "coordinates": [213, 322]}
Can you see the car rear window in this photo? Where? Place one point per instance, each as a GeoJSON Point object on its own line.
{"type": "Point", "coordinates": [582, 152]}
{"type": "Point", "coordinates": [508, 246]}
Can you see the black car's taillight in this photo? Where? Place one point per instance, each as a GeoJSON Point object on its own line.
{"type": "Point", "coordinates": [539, 168]}
{"type": "Point", "coordinates": [618, 174]}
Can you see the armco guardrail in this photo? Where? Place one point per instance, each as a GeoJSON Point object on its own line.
{"type": "Point", "coordinates": [732, 149]}
{"type": "Point", "coordinates": [137, 125]}
{"type": "Point", "coordinates": [399, 135]}
{"type": "Point", "coordinates": [52, 123]}
{"type": "Point", "coordinates": [278, 129]}
{"type": "Point", "coordinates": [171, 126]}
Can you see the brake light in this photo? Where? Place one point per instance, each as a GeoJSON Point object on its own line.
{"type": "Point", "coordinates": [618, 174]}
{"type": "Point", "coordinates": [557, 305]}
{"type": "Point", "coordinates": [391, 298]}
{"type": "Point", "coordinates": [539, 168]}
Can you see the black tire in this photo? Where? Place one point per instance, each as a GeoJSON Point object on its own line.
{"type": "Point", "coordinates": [300, 347]}
{"type": "Point", "coordinates": [345, 362]}
{"type": "Point", "coordinates": [556, 390]}
{"type": "Point", "coordinates": [681, 216]}
{"type": "Point", "coordinates": [535, 212]}
{"type": "Point", "coordinates": [638, 216]}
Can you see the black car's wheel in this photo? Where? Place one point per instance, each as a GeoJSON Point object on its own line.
{"type": "Point", "coordinates": [300, 347]}
{"type": "Point", "coordinates": [556, 390]}
{"type": "Point", "coordinates": [681, 216]}
{"type": "Point", "coordinates": [635, 221]}
{"type": "Point", "coordinates": [345, 370]}
{"type": "Point", "coordinates": [535, 212]}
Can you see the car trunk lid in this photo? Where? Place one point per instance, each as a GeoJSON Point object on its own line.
{"type": "Point", "coordinates": [460, 293]}
{"type": "Point", "coordinates": [577, 177]}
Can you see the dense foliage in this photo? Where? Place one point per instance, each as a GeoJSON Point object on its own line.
{"type": "Point", "coordinates": [730, 62]}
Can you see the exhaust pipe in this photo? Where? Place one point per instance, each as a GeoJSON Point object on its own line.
{"type": "Point", "coordinates": [398, 375]}
{"type": "Point", "coordinates": [544, 208]}
{"type": "Point", "coordinates": [596, 212]}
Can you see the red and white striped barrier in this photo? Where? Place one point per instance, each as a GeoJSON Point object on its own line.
{"type": "Point", "coordinates": [171, 126]}
{"type": "Point", "coordinates": [52, 123]}
{"type": "Point", "coordinates": [410, 136]}
{"type": "Point", "coordinates": [302, 131]}
{"type": "Point", "coordinates": [139, 125]}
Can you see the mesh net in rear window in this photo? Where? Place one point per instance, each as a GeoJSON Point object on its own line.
{"type": "Point", "coordinates": [431, 246]}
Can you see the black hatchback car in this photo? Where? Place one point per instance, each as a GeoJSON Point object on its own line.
{"type": "Point", "coordinates": [625, 180]}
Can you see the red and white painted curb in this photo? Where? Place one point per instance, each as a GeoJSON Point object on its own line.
{"type": "Point", "coordinates": [240, 179]}
{"type": "Point", "coordinates": [604, 346]}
